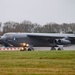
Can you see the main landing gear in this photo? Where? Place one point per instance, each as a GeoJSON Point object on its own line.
{"type": "Point", "coordinates": [60, 47]}
{"type": "Point", "coordinates": [53, 48]}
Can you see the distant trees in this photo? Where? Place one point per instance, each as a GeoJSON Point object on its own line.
{"type": "Point", "coordinates": [67, 28]}
{"type": "Point", "coordinates": [27, 26]}
{"type": "Point", "coordinates": [10, 27]}
{"type": "Point", "coordinates": [51, 28]}
{"type": "Point", "coordinates": [0, 28]}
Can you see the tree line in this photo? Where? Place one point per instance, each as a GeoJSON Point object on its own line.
{"type": "Point", "coordinates": [29, 27]}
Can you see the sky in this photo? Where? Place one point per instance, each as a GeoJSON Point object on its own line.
{"type": "Point", "coordinates": [38, 11]}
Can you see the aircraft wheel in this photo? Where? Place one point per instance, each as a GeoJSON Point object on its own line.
{"type": "Point", "coordinates": [53, 48]}
{"type": "Point", "coordinates": [30, 49]}
{"type": "Point", "coordinates": [23, 49]}
{"type": "Point", "coordinates": [59, 48]}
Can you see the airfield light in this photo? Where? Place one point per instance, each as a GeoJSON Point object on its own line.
{"type": "Point", "coordinates": [24, 44]}
{"type": "Point", "coordinates": [22, 48]}
{"type": "Point", "coordinates": [27, 45]}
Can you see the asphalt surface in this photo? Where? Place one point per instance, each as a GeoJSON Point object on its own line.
{"type": "Point", "coordinates": [49, 48]}
{"type": "Point", "coordinates": [41, 48]}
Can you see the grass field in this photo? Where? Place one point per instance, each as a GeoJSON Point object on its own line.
{"type": "Point", "coordinates": [37, 63]}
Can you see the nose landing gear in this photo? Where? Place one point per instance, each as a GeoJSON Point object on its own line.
{"type": "Point", "coordinates": [26, 47]}
{"type": "Point", "coordinates": [30, 49]}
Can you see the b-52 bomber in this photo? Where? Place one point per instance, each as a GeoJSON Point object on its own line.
{"type": "Point", "coordinates": [31, 40]}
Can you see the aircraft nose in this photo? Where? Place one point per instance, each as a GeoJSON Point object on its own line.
{"type": "Point", "coordinates": [2, 38]}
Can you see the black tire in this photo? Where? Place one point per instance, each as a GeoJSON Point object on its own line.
{"type": "Point", "coordinates": [53, 48]}
{"type": "Point", "coordinates": [30, 49]}
{"type": "Point", "coordinates": [59, 48]}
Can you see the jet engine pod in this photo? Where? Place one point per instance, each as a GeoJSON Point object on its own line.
{"type": "Point", "coordinates": [62, 41]}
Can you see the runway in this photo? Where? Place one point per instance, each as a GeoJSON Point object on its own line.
{"type": "Point", "coordinates": [37, 48]}
{"type": "Point", "coordinates": [48, 48]}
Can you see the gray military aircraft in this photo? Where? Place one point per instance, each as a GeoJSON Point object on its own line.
{"type": "Point", "coordinates": [31, 40]}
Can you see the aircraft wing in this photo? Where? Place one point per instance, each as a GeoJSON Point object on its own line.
{"type": "Point", "coordinates": [45, 35]}
{"type": "Point", "coordinates": [60, 39]}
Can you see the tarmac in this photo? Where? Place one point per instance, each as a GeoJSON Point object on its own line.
{"type": "Point", "coordinates": [49, 48]}
{"type": "Point", "coordinates": [72, 47]}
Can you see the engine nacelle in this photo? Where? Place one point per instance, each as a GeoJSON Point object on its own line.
{"type": "Point", "coordinates": [62, 41]}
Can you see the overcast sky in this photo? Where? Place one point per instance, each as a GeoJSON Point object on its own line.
{"type": "Point", "coordinates": [38, 11]}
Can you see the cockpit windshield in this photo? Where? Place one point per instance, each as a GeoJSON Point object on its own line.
{"type": "Point", "coordinates": [8, 35]}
